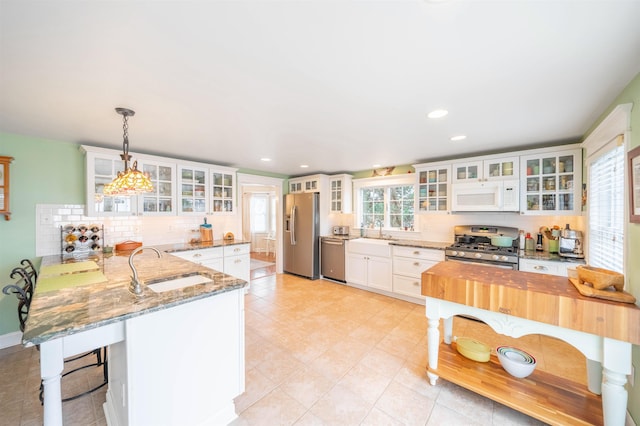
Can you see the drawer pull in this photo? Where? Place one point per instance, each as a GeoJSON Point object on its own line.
{"type": "Point", "coordinates": [416, 252]}
{"type": "Point", "coordinates": [416, 263]}
{"type": "Point", "coordinates": [238, 261]}
{"type": "Point", "coordinates": [415, 283]}
{"type": "Point", "coordinates": [540, 268]}
{"type": "Point", "coordinates": [197, 255]}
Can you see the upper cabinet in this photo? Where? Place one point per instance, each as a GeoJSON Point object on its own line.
{"type": "Point", "coordinates": [551, 183]}
{"type": "Point", "coordinates": [433, 188]}
{"type": "Point", "coordinates": [222, 190]}
{"type": "Point", "coordinates": [499, 168]}
{"type": "Point", "coordinates": [179, 187]}
{"type": "Point", "coordinates": [313, 183]}
{"type": "Point", "coordinates": [340, 194]}
{"type": "Point", "coordinates": [162, 200]}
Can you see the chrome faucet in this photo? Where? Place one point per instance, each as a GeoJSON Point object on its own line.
{"type": "Point", "coordinates": [134, 285]}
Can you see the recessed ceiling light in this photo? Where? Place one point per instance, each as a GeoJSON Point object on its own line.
{"type": "Point", "coordinates": [438, 113]}
{"type": "Point", "coordinates": [377, 165]}
{"type": "Point", "coordinates": [458, 138]}
{"type": "Point", "coordinates": [265, 159]}
{"type": "Point", "coordinates": [304, 166]}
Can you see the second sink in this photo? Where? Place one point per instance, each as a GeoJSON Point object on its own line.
{"type": "Point", "coordinates": [177, 283]}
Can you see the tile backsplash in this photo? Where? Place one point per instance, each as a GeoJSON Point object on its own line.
{"type": "Point", "coordinates": [148, 230]}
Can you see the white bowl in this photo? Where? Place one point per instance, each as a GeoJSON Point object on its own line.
{"type": "Point", "coordinates": [515, 361]}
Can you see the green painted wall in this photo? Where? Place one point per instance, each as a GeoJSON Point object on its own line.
{"type": "Point", "coordinates": [42, 172]}
{"type": "Point", "coordinates": [631, 94]}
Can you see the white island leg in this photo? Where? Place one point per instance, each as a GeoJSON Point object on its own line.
{"type": "Point", "coordinates": [616, 365]}
{"type": "Point", "coordinates": [433, 342]}
{"type": "Point", "coordinates": [51, 366]}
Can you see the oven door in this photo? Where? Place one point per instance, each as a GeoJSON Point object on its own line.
{"type": "Point", "coordinates": [492, 263]}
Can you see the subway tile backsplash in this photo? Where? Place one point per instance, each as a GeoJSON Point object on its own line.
{"type": "Point", "coordinates": [150, 230]}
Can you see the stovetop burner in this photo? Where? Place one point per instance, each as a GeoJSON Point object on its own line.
{"type": "Point", "coordinates": [483, 247]}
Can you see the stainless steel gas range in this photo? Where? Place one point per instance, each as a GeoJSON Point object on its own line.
{"type": "Point", "coordinates": [473, 245]}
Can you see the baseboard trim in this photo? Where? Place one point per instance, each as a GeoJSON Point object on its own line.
{"type": "Point", "coordinates": [10, 339]}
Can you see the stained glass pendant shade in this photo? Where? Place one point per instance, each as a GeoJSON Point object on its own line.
{"type": "Point", "coordinates": [131, 181]}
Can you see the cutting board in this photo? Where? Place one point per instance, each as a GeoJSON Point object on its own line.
{"type": "Point", "coordinates": [68, 268]}
{"type": "Point", "coordinates": [58, 282]}
{"type": "Point", "coordinates": [613, 295]}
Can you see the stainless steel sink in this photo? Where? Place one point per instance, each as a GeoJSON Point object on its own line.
{"type": "Point", "coordinates": [169, 284]}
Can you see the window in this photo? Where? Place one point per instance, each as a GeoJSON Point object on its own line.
{"type": "Point", "coordinates": [387, 202]}
{"type": "Point", "coordinates": [606, 206]}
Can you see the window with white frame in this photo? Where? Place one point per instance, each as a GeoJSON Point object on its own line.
{"type": "Point", "coordinates": [385, 201]}
{"type": "Point", "coordinates": [606, 169]}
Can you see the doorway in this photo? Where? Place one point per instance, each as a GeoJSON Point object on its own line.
{"type": "Point", "coordinates": [261, 212]}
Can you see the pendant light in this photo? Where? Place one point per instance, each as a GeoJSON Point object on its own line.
{"type": "Point", "coordinates": [131, 181]}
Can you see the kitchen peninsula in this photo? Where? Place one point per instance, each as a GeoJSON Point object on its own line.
{"type": "Point", "coordinates": [176, 356]}
{"type": "Point", "coordinates": [516, 303]}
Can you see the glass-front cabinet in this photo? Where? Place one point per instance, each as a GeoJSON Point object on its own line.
{"type": "Point", "coordinates": [433, 188]}
{"type": "Point", "coordinates": [193, 190]}
{"type": "Point", "coordinates": [552, 183]}
{"type": "Point", "coordinates": [222, 191]}
{"type": "Point", "coordinates": [340, 193]}
{"type": "Point", "coordinates": [498, 168]}
{"type": "Point", "coordinates": [102, 167]}
{"type": "Point", "coordinates": [160, 201]}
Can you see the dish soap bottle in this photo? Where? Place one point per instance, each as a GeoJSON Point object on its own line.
{"type": "Point", "coordinates": [539, 242]}
{"type": "Point", "coordinates": [529, 245]}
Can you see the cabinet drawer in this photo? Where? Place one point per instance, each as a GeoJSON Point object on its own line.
{"type": "Point", "coordinates": [419, 253]}
{"type": "Point", "coordinates": [411, 267]}
{"type": "Point", "coordinates": [201, 255]}
{"type": "Point", "coordinates": [544, 267]}
{"type": "Point", "coordinates": [407, 286]}
{"type": "Point", "coordinates": [236, 249]}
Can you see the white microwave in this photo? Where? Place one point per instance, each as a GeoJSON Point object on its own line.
{"type": "Point", "coordinates": [487, 196]}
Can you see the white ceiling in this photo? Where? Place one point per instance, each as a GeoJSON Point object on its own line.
{"type": "Point", "coordinates": [338, 85]}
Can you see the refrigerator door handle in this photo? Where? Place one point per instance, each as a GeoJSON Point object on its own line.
{"type": "Point", "coordinates": [293, 225]}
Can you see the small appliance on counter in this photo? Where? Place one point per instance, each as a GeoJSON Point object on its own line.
{"type": "Point", "coordinates": [571, 243]}
{"type": "Point", "coordinates": [340, 230]}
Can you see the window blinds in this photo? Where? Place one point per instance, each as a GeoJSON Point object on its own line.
{"type": "Point", "coordinates": [606, 207]}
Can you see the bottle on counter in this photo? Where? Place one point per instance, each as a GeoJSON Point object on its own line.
{"type": "Point", "coordinates": [529, 245]}
{"type": "Point", "coordinates": [521, 240]}
{"type": "Point", "coordinates": [539, 242]}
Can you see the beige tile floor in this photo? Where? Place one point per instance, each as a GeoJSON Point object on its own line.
{"type": "Point", "coordinates": [319, 353]}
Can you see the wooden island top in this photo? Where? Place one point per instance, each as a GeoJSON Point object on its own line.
{"type": "Point", "coordinates": [539, 297]}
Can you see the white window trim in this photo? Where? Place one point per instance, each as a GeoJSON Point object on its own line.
{"type": "Point", "coordinates": [616, 123]}
{"type": "Point", "coordinates": [393, 180]}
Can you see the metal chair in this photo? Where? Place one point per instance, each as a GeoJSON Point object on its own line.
{"type": "Point", "coordinates": [23, 289]}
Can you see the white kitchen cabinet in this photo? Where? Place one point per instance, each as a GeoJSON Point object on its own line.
{"type": "Point", "coordinates": [546, 266]}
{"type": "Point", "coordinates": [551, 183]}
{"type": "Point", "coordinates": [237, 261]}
{"type": "Point", "coordinates": [102, 166]}
{"type": "Point", "coordinates": [312, 183]}
{"type": "Point", "coordinates": [340, 194]}
{"type": "Point", "coordinates": [222, 190]}
{"type": "Point", "coordinates": [408, 265]}
{"type": "Point", "coordinates": [210, 257]}
{"type": "Point", "coordinates": [498, 168]}
{"type": "Point", "coordinates": [433, 188]}
{"type": "Point", "coordinates": [162, 200]}
{"type": "Point", "coordinates": [193, 190]}
{"type": "Point", "coordinates": [369, 264]}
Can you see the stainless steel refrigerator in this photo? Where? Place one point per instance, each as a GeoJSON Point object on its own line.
{"type": "Point", "coordinates": [301, 244]}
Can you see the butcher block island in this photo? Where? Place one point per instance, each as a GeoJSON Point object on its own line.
{"type": "Point", "coordinates": [516, 304]}
{"type": "Point", "coordinates": [176, 351]}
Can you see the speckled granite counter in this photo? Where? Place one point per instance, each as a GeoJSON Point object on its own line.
{"type": "Point", "coordinates": [553, 257]}
{"type": "Point", "coordinates": [436, 245]}
{"type": "Point", "coordinates": [171, 248]}
{"type": "Point", "coordinates": [71, 310]}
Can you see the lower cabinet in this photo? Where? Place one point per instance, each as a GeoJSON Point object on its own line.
{"type": "Point", "coordinates": [546, 266]}
{"type": "Point", "coordinates": [232, 259]}
{"type": "Point", "coordinates": [370, 271]}
{"type": "Point", "coordinates": [408, 265]}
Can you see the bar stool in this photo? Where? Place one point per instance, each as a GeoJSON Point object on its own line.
{"type": "Point", "coordinates": [23, 289]}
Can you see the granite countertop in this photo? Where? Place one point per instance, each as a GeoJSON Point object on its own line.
{"type": "Point", "coordinates": [437, 245]}
{"type": "Point", "coordinates": [71, 310]}
{"type": "Point", "coordinates": [545, 255]}
{"type": "Point", "coordinates": [171, 248]}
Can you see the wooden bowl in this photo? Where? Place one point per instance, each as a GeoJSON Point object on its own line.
{"type": "Point", "coordinates": [600, 278]}
{"type": "Point", "coordinates": [128, 245]}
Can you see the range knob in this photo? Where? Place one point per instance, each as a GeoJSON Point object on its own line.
{"type": "Point", "coordinates": [478, 256]}
{"type": "Point", "coordinates": [454, 253]}
{"type": "Point", "coordinates": [504, 258]}
{"type": "Point", "coordinates": [495, 257]}
{"type": "Point", "coordinates": [461, 253]}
